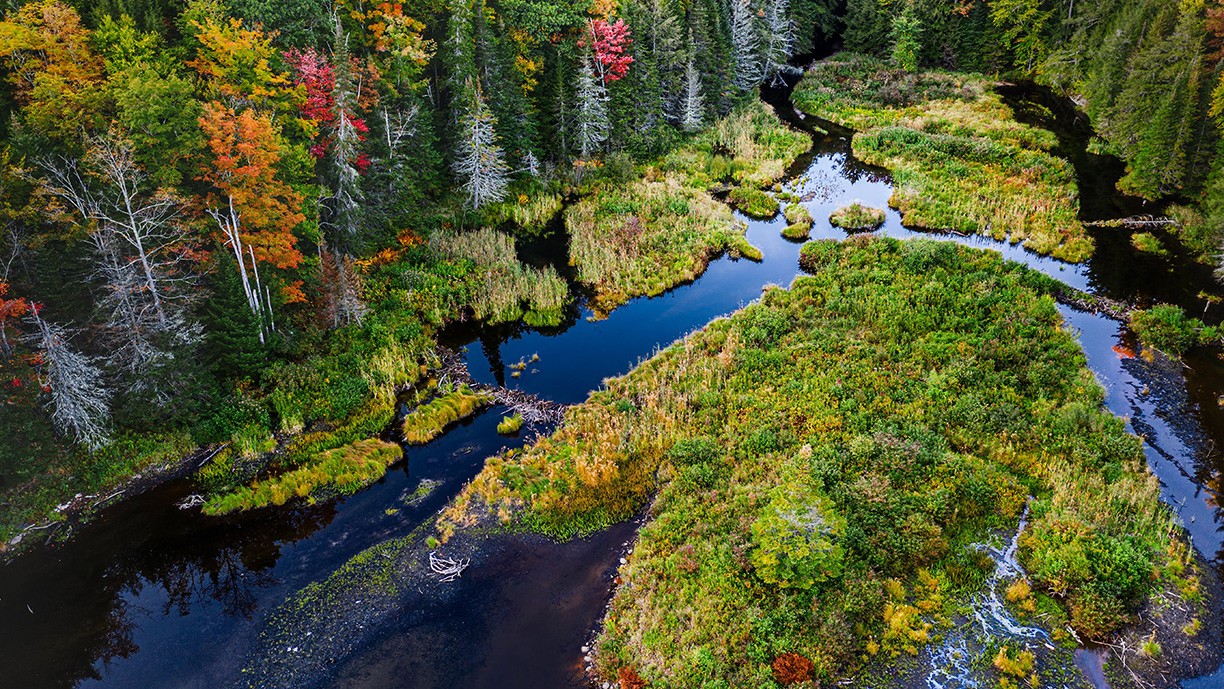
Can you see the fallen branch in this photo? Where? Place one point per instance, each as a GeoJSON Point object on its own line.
{"type": "Point", "coordinates": [1135, 221]}
{"type": "Point", "coordinates": [447, 569]}
{"type": "Point", "coordinates": [193, 500]}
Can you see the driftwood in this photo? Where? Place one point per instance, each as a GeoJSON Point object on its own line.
{"type": "Point", "coordinates": [1135, 221]}
{"type": "Point", "coordinates": [193, 500]}
{"type": "Point", "coordinates": [534, 409]}
{"type": "Point", "coordinates": [447, 569]}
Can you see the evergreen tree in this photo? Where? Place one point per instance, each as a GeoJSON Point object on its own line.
{"type": "Point", "coordinates": [591, 116]}
{"type": "Point", "coordinates": [906, 39]}
{"type": "Point", "coordinates": [745, 36]}
{"type": "Point", "coordinates": [692, 108]}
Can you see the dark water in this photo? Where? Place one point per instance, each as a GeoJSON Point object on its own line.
{"type": "Point", "coordinates": [149, 595]}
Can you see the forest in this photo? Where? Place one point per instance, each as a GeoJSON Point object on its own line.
{"type": "Point", "coordinates": [235, 236]}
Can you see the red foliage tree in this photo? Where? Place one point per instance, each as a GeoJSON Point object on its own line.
{"type": "Point", "coordinates": [609, 42]}
{"type": "Point", "coordinates": [10, 308]}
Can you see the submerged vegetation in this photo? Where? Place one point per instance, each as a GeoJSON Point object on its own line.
{"type": "Point", "coordinates": [960, 162]}
{"type": "Point", "coordinates": [821, 461]}
{"type": "Point", "coordinates": [857, 218]}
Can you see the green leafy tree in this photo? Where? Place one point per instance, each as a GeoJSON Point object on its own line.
{"type": "Point", "coordinates": [906, 39]}
{"type": "Point", "coordinates": [797, 540]}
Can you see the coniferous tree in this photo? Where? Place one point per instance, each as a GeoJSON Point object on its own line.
{"type": "Point", "coordinates": [745, 36]}
{"type": "Point", "coordinates": [692, 108]}
{"type": "Point", "coordinates": [79, 400]}
{"type": "Point", "coordinates": [591, 114]}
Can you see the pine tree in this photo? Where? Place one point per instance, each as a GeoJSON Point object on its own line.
{"type": "Point", "coordinates": [906, 39]}
{"type": "Point", "coordinates": [480, 162]}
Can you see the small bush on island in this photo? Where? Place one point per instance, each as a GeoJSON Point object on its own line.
{"type": "Point", "coordinates": [800, 221]}
{"type": "Point", "coordinates": [753, 202]}
{"type": "Point", "coordinates": [1170, 330]}
{"type": "Point", "coordinates": [857, 218]}
{"type": "Point", "coordinates": [510, 425]}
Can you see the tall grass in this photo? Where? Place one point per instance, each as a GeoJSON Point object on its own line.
{"type": "Point", "coordinates": [340, 471]}
{"type": "Point", "coordinates": [427, 421]}
{"type": "Point", "coordinates": [510, 290]}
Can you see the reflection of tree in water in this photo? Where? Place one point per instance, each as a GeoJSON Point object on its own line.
{"type": "Point", "coordinates": [857, 171]}
{"type": "Point", "coordinates": [214, 568]}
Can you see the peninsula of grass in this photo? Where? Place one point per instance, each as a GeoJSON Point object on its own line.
{"type": "Point", "coordinates": [960, 161]}
{"type": "Point", "coordinates": [857, 218]}
{"type": "Point", "coordinates": [643, 236]}
{"type": "Point", "coordinates": [819, 464]}
{"type": "Point", "coordinates": [427, 421]}
{"type": "Point", "coordinates": [753, 202]}
{"type": "Point", "coordinates": [342, 471]}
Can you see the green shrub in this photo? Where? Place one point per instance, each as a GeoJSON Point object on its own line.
{"type": "Point", "coordinates": [753, 202]}
{"type": "Point", "coordinates": [1168, 329]}
{"type": "Point", "coordinates": [510, 424]}
{"type": "Point", "coordinates": [1148, 244]}
{"type": "Point", "coordinates": [796, 541]}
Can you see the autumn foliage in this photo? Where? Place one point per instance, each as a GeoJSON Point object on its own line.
{"type": "Point", "coordinates": [630, 679]}
{"type": "Point", "coordinates": [792, 668]}
{"type": "Point", "coordinates": [244, 151]}
{"type": "Point", "coordinates": [609, 43]}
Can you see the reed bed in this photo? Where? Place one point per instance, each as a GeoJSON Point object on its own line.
{"type": "Point", "coordinates": [427, 421]}
{"type": "Point", "coordinates": [509, 290]}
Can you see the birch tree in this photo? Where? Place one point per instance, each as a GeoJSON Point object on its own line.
{"type": "Point", "coordinates": [746, 43]}
{"type": "Point", "coordinates": [79, 400]}
{"type": "Point", "coordinates": [480, 162]}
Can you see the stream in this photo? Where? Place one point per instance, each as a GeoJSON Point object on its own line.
{"type": "Point", "coordinates": [148, 595]}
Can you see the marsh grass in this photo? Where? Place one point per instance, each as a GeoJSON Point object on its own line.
{"type": "Point", "coordinates": [341, 471]}
{"type": "Point", "coordinates": [753, 202]}
{"type": "Point", "coordinates": [510, 425]}
{"type": "Point", "coordinates": [917, 393]}
{"type": "Point", "coordinates": [510, 290]}
{"type": "Point", "coordinates": [960, 161]}
{"type": "Point", "coordinates": [800, 221]}
{"type": "Point", "coordinates": [857, 218]}
{"type": "Point", "coordinates": [427, 421]}
{"type": "Point", "coordinates": [648, 236]}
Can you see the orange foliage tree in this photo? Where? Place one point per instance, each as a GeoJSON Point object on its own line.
{"type": "Point", "coordinates": [255, 210]}
{"type": "Point", "coordinates": [55, 73]}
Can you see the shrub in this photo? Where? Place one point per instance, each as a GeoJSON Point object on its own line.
{"type": "Point", "coordinates": [796, 541]}
{"type": "Point", "coordinates": [857, 218]}
{"type": "Point", "coordinates": [753, 202]}
{"type": "Point", "coordinates": [1018, 665]}
{"type": "Point", "coordinates": [792, 668]}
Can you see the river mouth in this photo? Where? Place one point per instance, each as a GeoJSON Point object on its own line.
{"type": "Point", "coordinates": [146, 581]}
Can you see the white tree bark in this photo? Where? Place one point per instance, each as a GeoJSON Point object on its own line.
{"type": "Point", "coordinates": [591, 120]}
{"type": "Point", "coordinates": [692, 107]}
{"type": "Point", "coordinates": [746, 41]}
{"type": "Point", "coordinates": [780, 40]}
{"type": "Point", "coordinates": [480, 162]}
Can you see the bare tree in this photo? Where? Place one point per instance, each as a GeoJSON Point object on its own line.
{"type": "Point", "coordinates": [692, 107]}
{"type": "Point", "coordinates": [480, 161]}
{"type": "Point", "coordinates": [746, 42]}
{"type": "Point", "coordinates": [143, 250]}
{"type": "Point", "coordinates": [591, 119]}
{"type": "Point", "coordinates": [259, 300]}
{"type": "Point", "coordinates": [79, 399]}
{"type": "Point", "coordinates": [779, 41]}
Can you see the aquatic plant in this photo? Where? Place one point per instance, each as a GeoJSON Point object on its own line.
{"type": "Point", "coordinates": [857, 218]}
